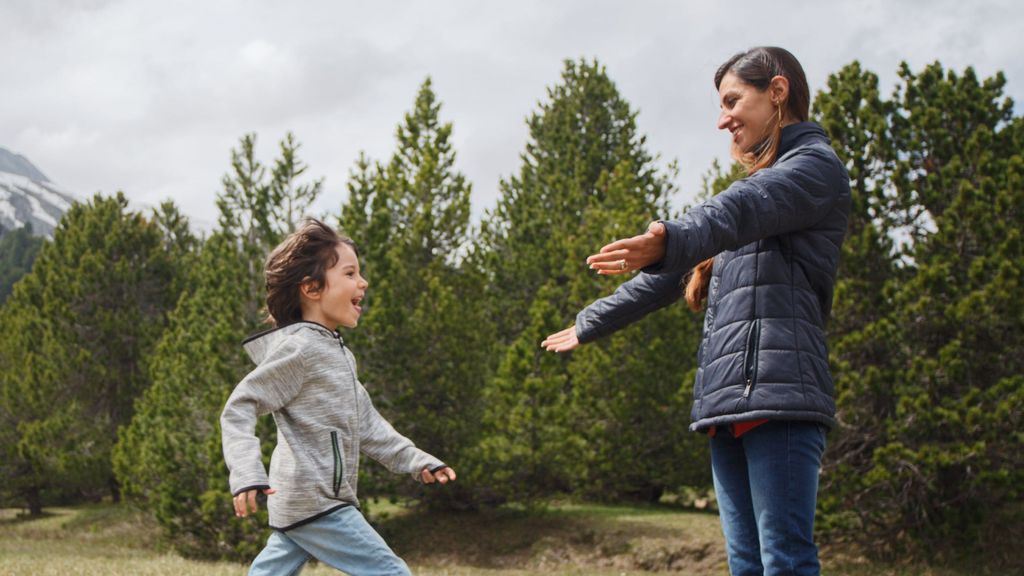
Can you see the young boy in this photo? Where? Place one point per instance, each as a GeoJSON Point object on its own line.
{"type": "Point", "coordinates": [306, 377]}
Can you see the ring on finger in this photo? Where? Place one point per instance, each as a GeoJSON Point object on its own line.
{"type": "Point", "coordinates": [622, 264]}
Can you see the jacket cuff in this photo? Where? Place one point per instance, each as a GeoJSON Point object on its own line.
{"type": "Point", "coordinates": [588, 331]}
{"type": "Point", "coordinates": [242, 482]}
{"type": "Point", "coordinates": [674, 247]}
{"type": "Point", "coordinates": [247, 488]}
{"type": "Point", "coordinates": [432, 465]}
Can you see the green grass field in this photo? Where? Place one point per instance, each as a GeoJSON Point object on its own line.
{"type": "Point", "coordinates": [564, 540]}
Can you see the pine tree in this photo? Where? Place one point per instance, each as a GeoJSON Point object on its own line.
{"type": "Point", "coordinates": [199, 359]}
{"type": "Point", "coordinates": [603, 419]}
{"type": "Point", "coordinates": [956, 459]}
{"type": "Point", "coordinates": [26, 480]}
{"type": "Point", "coordinates": [421, 344]}
{"type": "Point", "coordinates": [930, 404]}
{"type": "Point", "coordinates": [861, 327]}
{"type": "Point", "coordinates": [176, 427]}
{"type": "Point", "coordinates": [94, 304]}
{"type": "Point", "coordinates": [18, 250]}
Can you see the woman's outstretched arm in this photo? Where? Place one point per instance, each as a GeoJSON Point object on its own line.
{"type": "Point", "coordinates": [773, 201]}
{"type": "Point", "coordinates": [631, 301]}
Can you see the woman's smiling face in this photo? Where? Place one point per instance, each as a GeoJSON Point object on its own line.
{"type": "Point", "coordinates": [747, 112]}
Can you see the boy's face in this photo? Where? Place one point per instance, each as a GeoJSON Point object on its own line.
{"type": "Point", "coordinates": [337, 303]}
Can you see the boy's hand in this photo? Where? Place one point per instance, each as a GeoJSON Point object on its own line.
{"type": "Point", "coordinates": [245, 502]}
{"type": "Point", "coordinates": [444, 475]}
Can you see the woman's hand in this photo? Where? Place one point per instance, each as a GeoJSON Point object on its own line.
{"type": "Point", "coordinates": [563, 341]}
{"type": "Point", "coordinates": [631, 254]}
{"type": "Point", "coordinates": [444, 475]}
{"type": "Point", "coordinates": [245, 502]}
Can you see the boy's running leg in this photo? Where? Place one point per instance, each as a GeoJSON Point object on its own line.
{"type": "Point", "coordinates": [345, 540]}
{"type": "Point", "coordinates": [281, 556]}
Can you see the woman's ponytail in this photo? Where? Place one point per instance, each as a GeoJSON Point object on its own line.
{"type": "Point", "coordinates": [697, 287]}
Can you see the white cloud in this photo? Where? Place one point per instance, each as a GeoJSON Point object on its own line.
{"type": "Point", "coordinates": [150, 97]}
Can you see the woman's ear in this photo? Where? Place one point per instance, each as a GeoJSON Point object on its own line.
{"type": "Point", "coordinates": [778, 89]}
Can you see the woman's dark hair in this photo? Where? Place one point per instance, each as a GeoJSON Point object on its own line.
{"type": "Point", "coordinates": [304, 256]}
{"type": "Point", "coordinates": [757, 67]}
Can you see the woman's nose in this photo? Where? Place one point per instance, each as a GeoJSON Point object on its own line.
{"type": "Point", "coordinates": [723, 120]}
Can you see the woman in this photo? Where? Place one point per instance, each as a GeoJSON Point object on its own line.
{"type": "Point", "coordinates": [764, 254]}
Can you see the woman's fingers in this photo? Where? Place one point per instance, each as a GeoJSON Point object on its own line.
{"type": "Point", "coordinates": [611, 262]}
{"type": "Point", "coordinates": [603, 256]}
{"type": "Point", "coordinates": [566, 346]}
{"type": "Point", "coordinates": [562, 341]}
{"type": "Point", "coordinates": [558, 337]}
{"type": "Point", "coordinates": [630, 254]}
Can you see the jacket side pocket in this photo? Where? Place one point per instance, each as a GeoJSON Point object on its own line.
{"type": "Point", "coordinates": [750, 357]}
{"type": "Point", "coordinates": [339, 463]}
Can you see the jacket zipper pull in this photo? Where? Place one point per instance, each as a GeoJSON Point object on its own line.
{"type": "Point", "coordinates": [750, 384]}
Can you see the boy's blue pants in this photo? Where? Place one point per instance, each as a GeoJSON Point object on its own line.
{"type": "Point", "coordinates": [342, 539]}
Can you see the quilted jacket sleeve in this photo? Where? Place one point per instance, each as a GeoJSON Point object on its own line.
{"type": "Point", "coordinates": [789, 196]}
{"type": "Point", "coordinates": [631, 301]}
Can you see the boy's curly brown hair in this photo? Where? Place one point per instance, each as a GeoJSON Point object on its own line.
{"type": "Point", "coordinates": [304, 256]}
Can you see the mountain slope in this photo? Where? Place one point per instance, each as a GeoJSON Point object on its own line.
{"type": "Point", "coordinates": [28, 197]}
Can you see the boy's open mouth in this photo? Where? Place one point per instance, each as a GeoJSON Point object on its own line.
{"type": "Point", "coordinates": [355, 303]}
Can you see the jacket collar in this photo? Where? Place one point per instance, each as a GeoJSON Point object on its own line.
{"type": "Point", "coordinates": [292, 328]}
{"type": "Point", "coordinates": [260, 344]}
{"type": "Point", "coordinates": [799, 133]}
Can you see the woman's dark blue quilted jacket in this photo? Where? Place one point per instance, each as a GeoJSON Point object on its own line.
{"type": "Point", "coordinates": [775, 237]}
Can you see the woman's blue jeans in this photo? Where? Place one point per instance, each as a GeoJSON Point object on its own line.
{"type": "Point", "coordinates": [342, 539]}
{"type": "Point", "coordinates": [766, 482]}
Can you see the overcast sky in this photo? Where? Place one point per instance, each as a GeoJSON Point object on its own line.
{"type": "Point", "coordinates": [150, 97]}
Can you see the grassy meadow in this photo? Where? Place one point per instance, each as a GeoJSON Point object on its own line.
{"type": "Point", "coordinates": [566, 539]}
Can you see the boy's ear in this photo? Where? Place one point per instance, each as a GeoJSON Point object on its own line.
{"type": "Point", "coordinates": [309, 289]}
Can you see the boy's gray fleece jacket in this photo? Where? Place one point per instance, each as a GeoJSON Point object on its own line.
{"type": "Point", "coordinates": [306, 377]}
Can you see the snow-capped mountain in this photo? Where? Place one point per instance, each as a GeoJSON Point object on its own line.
{"type": "Point", "coordinates": [28, 196]}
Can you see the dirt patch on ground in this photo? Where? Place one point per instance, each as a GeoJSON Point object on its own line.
{"type": "Point", "coordinates": [551, 542]}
